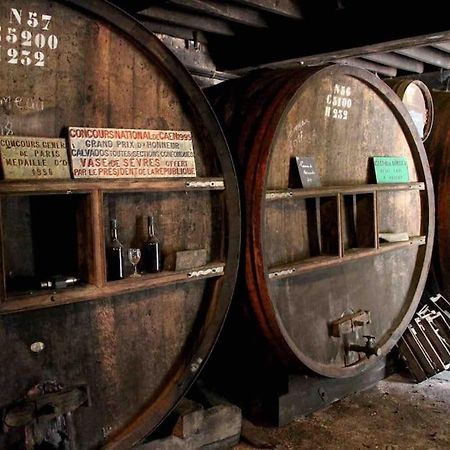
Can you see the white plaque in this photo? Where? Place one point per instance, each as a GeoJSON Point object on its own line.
{"type": "Point", "coordinates": [29, 158]}
{"type": "Point", "coordinates": [126, 153]}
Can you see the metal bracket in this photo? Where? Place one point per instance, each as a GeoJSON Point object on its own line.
{"type": "Point", "coordinates": [206, 184]}
{"type": "Point", "coordinates": [204, 272]}
{"type": "Point", "coordinates": [42, 404]}
{"type": "Point", "coordinates": [278, 195]}
{"type": "Point", "coordinates": [281, 273]}
{"type": "Point", "coordinates": [349, 323]}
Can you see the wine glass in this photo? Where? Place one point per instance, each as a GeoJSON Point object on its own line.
{"type": "Point", "coordinates": [134, 256]}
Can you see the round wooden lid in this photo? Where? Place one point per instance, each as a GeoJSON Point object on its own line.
{"type": "Point", "coordinates": [115, 356]}
{"type": "Point", "coordinates": [335, 269]}
{"type": "Point", "coordinates": [418, 100]}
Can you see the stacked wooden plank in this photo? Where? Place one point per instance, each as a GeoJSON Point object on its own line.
{"type": "Point", "coordinates": [425, 346]}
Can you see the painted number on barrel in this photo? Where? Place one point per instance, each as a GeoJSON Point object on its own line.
{"type": "Point", "coordinates": [27, 38]}
{"type": "Point", "coordinates": [339, 102]}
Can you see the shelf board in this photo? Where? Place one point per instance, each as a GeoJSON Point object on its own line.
{"type": "Point", "coordinates": [323, 262]}
{"type": "Point", "coordinates": [116, 185]}
{"type": "Point", "coordinates": [114, 288]}
{"type": "Point", "coordinates": [328, 191]}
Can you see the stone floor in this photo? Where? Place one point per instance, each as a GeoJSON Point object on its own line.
{"type": "Point", "coordinates": [396, 414]}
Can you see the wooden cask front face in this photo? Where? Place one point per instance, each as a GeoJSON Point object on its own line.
{"type": "Point", "coordinates": [418, 100]}
{"type": "Point", "coordinates": [439, 155]}
{"type": "Point", "coordinates": [137, 347]}
{"type": "Point", "coordinates": [313, 255]}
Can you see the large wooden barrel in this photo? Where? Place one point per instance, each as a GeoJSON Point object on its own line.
{"type": "Point", "coordinates": [438, 151]}
{"type": "Point", "coordinates": [417, 98]}
{"type": "Point", "coordinates": [326, 290]}
{"type": "Point", "coordinates": [101, 363]}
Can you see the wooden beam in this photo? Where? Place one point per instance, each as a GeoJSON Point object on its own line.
{"type": "Point", "coordinates": [287, 8]}
{"type": "Point", "coordinates": [341, 34]}
{"type": "Point", "coordinates": [186, 20]}
{"type": "Point", "coordinates": [428, 55]}
{"type": "Point", "coordinates": [369, 65]}
{"type": "Point", "coordinates": [438, 79]}
{"type": "Point", "coordinates": [174, 31]}
{"type": "Point", "coordinates": [189, 54]}
{"type": "Point", "coordinates": [333, 56]}
{"type": "Point", "coordinates": [397, 61]}
{"type": "Point", "coordinates": [133, 5]}
{"type": "Point", "coordinates": [444, 46]}
{"type": "Point", "coordinates": [195, 59]}
{"type": "Point", "coordinates": [227, 11]}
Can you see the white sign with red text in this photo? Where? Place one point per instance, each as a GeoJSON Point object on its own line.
{"type": "Point", "coordinates": [127, 153]}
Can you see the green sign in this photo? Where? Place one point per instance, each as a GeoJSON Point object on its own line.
{"type": "Point", "coordinates": [391, 169]}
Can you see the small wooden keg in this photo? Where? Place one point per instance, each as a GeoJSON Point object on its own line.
{"type": "Point", "coordinates": [417, 98]}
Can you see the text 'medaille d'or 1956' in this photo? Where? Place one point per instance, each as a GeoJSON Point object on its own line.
{"type": "Point", "coordinates": [99, 153]}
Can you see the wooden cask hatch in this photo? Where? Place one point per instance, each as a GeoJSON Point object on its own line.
{"type": "Point", "coordinates": [437, 147]}
{"type": "Point", "coordinates": [105, 361]}
{"type": "Point", "coordinates": [317, 275]}
{"type": "Point", "coordinates": [418, 101]}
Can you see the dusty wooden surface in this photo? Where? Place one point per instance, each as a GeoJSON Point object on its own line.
{"type": "Point", "coordinates": [136, 347]}
{"type": "Point", "coordinates": [437, 148]}
{"type": "Point", "coordinates": [342, 117]}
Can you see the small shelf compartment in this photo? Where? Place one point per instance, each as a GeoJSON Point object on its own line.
{"type": "Point", "coordinates": [55, 228]}
{"type": "Point", "coordinates": [323, 262]}
{"type": "Point", "coordinates": [284, 194]}
{"type": "Point", "coordinates": [69, 186]}
{"type": "Point", "coordinates": [323, 216]}
{"type": "Point", "coordinates": [343, 224]}
{"type": "Point", "coordinates": [42, 237]}
{"type": "Point", "coordinates": [177, 228]}
{"type": "Point", "coordinates": [125, 286]}
{"type": "Point", "coordinates": [359, 223]}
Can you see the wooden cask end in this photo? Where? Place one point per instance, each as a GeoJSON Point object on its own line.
{"type": "Point", "coordinates": [318, 277]}
{"type": "Point", "coordinates": [102, 363]}
{"type": "Point", "coordinates": [417, 98]}
{"type": "Point", "coordinates": [438, 151]}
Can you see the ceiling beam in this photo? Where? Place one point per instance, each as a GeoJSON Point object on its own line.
{"type": "Point", "coordinates": [444, 46]}
{"type": "Point", "coordinates": [227, 11]}
{"type": "Point", "coordinates": [287, 8]}
{"type": "Point", "coordinates": [186, 20]}
{"type": "Point", "coordinates": [188, 53]}
{"type": "Point", "coordinates": [133, 5]}
{"type": "Point", "coordinates": [397, 61]}
{"type": "Point", "coordinates": [368, 65]}
{"type": "Point", "coordinates": [440, 79]}
{"type": "Point", "coordinates": [428, 55]}
{"type": "Point", "coordinates": [341, 31]}
{"type": "Point", "coordinates": [333, 56]}
{"type": "Point", "coordinates": [175, 31]}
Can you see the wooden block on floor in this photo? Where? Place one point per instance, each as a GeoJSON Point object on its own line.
{"type": "Point", "coordinates": [214, 428]}
{"type": "Point", "coordinates": [309, 394]}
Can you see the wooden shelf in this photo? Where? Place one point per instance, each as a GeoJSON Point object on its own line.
{"type": "Point", "coordinates": [327, 191]}
{"type": "Point", "coordinates": [323, 262]}
{"type": "Point", "coordinates": [117, 185]}
{"type": "Point", "coordinates": [114, 288]}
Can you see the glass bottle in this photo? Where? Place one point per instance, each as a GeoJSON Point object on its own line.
{"type": "Point", "coordinates": [152, 249]}
{"type": "Point", "coordinates": [114, 256]}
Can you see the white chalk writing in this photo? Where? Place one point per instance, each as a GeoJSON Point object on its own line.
{"type": "Point", "coordinates": [6, 128]}
{"type": "Point", "coordinates": [339, 102]}
{"type": "Point", "coordinates": [10, 104]}
{"type": "Point", "coordinates": [26, 39]}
